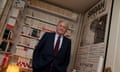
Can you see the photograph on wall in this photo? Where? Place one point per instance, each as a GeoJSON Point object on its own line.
{"type": "Point", "coordinates": [95, 31]}
{"type": "Point", "coordinates": [98, 27]}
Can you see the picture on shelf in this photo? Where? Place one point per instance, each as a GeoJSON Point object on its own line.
{"type": "Point", "coordinates": [35, 33]}
{"type": "Point", "coordinates": [6, 34]}
{"type": "Point", "coordinates": [5, 46]}
{"type": "Point", "coordinates": [9, 47]}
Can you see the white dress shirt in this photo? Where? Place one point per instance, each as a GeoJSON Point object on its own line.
{"type": "Point", "coordinates": [55, 40]}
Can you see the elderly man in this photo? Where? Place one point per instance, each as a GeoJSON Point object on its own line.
{"type": "Point", "coordinates": [52, 54]}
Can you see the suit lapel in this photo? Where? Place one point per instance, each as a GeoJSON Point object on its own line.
{"type": "Point", "coordinates": [53, 38]}
{"type": "Point", "coordinates": [62, 46]}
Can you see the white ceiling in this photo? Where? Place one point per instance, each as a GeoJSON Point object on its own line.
{"type": "Point", "coordinates": [78, 6]}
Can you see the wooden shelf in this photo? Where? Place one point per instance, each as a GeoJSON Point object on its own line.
{"type": "Point", "coordinates": [36, 28]}
{"type": "Point", "coordinates": [32, 27]}
{"type": "Point", "coordinates": [30, 37]}
{"type": "Point", "coordinates": [11, 41]}
{"type": "Point", "coordinates": [22, 45]}
{"type": "Point", "coordinates": [13, 17]}
{"type": "Point", "coordinates": [40, 20]}
{"type": "Point", "coordinates": [4, 52]}
{"type": "Point", "coordinates": [15, 55]}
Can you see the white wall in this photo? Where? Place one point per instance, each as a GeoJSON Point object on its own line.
{"type": "Point", "coordinates": [113, 55]}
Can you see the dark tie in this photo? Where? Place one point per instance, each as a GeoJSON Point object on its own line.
{"type": "Point", "coordinates": [57, 46]}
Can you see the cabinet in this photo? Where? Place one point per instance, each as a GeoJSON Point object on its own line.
{"type": "Point", "coordinates": [5, 6]}
{"type": "Point", "coordinates": [5, 42]}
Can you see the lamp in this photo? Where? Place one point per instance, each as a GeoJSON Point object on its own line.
{"type": "Point", "coordinates": [12, 68]}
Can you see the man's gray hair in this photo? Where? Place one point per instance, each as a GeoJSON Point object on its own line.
{"type": "Point", "coordinates": [66, 23]}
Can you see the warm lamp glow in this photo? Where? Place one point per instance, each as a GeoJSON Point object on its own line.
{"type": "Point", "coordinates": [12, 68]}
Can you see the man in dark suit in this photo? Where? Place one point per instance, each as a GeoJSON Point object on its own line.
{"type": "Point", "coordinates": [52, 54]}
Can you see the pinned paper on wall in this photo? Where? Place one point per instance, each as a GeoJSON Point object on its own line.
{"type": "Point", "coordinates": [100, 64]}
{"type": "Point", "coordinates": [11, 22]}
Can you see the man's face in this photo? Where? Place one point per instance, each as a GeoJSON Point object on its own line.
{"type": "Point", "coordinates": [61, 28]}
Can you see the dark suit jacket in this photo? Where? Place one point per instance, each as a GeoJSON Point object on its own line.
{"type": "Point", "coordinates": [43, 54]}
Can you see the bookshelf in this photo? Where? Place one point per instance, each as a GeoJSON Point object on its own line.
{"type": "Point", "coordinates": [31, 30]}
